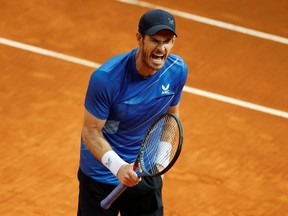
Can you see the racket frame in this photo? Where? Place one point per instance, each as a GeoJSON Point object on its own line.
{"type": "Point", "coordinates": [107, 202]}
{"type": "Point", "coordinates": [177, 152]}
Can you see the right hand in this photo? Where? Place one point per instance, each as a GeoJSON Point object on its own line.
{"type": "Point", "coordinates": [127, 176]}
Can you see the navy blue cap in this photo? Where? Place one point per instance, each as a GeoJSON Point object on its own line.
{"type": "Point", "coordinates": [156, 20]}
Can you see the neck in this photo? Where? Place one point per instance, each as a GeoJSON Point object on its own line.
{"type": "Point", "coordinates": [142, 67]}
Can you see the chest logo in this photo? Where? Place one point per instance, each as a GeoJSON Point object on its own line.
{"type": "Point", "coordinates": [165, 89]}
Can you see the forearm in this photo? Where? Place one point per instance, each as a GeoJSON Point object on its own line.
{"type": "Point", "coordinates": [95, 142]}
{"type": "Point", "coordinates": [101, 149]}
{"type": "Point", "coordinates": [167, 138]}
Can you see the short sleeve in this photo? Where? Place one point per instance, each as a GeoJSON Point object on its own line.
{"type": "Point", "coordinates": [181, 74]}
{"type": "Point", "coordinates": [98, 97]}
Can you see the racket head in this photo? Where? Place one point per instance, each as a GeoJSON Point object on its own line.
{"type": "Point", "coordinates": [161, 146]}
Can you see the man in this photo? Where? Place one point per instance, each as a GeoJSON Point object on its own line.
{"type": "Point", "coordinates": [124, 96]}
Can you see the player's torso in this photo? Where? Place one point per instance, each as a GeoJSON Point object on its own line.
{"type": "Point", "coordinates": [138, 102]}
{"type": "Point", "coordinates": [142, 101]}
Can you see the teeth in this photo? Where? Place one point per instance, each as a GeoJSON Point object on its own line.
{"type": "Point", "coordinates": [157, 56]}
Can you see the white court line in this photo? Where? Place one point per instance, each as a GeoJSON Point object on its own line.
{"type": "Point", "coordinates": [211, 22]}
{"type": "Point", "coordinates": [188, 89]}
{"type": "Point", "coordinates": [236, 102]}
{"type": "Point", "coordinates": [48, 53]}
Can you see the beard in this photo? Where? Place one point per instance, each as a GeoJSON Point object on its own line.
{"type": "Point", "coordinates": [152, 61]}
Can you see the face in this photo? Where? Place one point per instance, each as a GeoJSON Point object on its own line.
{"type": "Point", "coordinates": [154, 50]}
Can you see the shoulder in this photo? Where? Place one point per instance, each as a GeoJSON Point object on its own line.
{"type": "Point", "coordinates": [110, 77]}
{"type": "Point", "coordinates": [112, 69]}
{"type": "Point", "coordinates": [177, 61]}
{"type": "Point", "coordinates": [176, 64]}
{"type": "Point", "coordinates": [118, 62]}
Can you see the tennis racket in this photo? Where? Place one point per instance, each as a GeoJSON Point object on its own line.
{"type": "Point", "coordinates": [159, 150]}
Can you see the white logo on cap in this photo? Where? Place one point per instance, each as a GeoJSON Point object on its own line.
{"type": "Point", "coordinates": [171, 21]}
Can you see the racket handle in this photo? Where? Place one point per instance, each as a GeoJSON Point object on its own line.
{"type": "Point", "coordinates": [105, 203]}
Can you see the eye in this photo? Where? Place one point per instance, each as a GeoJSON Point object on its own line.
{"type": "Point", "coordinates": [167, 41]}
{"type": "Point", "coordinates": [154, 40]}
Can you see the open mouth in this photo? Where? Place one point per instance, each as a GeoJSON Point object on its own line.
{"type": "Point", "coordinates": [157, 58]}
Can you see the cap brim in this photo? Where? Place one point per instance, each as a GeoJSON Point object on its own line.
{"type": "Point", "coordinates": [153, 30]}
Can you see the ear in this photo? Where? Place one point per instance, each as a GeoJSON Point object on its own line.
{"type": "Point", "coordinates": [139, 38]}
{"type": "Point", "coordinates": [173, 40]}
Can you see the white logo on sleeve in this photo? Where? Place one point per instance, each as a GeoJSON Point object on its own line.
{"type": "Point", "coordinates": [165, 89]}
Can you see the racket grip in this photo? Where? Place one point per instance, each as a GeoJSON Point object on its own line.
{"type": "Point", "coordinates": [105, 203]}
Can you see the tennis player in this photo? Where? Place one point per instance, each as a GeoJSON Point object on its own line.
{"type": "Point", "coordinates": [124, 96]}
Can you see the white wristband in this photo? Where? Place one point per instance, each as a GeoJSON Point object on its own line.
{"type": "Point", "coordinates": [163, 153]}
{"type": "Point", "coordinates": [112, 161]}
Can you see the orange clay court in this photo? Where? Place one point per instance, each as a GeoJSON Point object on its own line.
{"type": "Point", "coordinates": [235, 156]}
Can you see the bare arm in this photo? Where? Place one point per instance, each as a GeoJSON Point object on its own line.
{"type": "Point", "coordinates": [93, 137]}
{"type": "Point", "coordinates": [174, 110]}
{"type": "Point", "coordinates": [98, 145]}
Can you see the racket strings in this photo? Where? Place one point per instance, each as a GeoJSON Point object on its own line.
{"type": "Point", "coordinates": [160, 146]}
